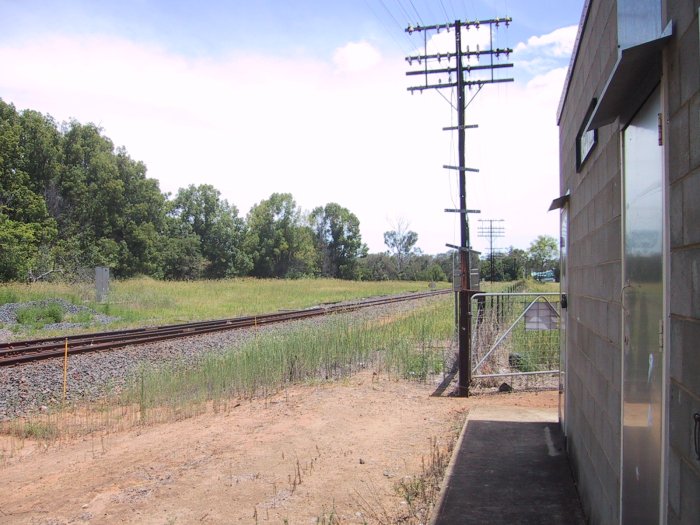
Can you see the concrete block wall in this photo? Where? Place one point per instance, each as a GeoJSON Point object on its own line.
{"type": "Point", "coordinates": [682, 74]}
{"type": "Point", "coordinates": [594, 313]}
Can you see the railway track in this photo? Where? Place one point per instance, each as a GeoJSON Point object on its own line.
{"type": "Point", "coordinates": [18, 352]}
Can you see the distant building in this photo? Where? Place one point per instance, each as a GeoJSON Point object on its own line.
{"type": "Point", "coordinates": [629, 129]}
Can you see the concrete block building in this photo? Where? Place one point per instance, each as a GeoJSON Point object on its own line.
{"type": "Point", "coordinates": [629, 200]}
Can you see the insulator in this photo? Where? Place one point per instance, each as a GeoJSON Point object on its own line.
{"type": "Point", "coordinates": [410, 61]}
{"type": "Point", "coordinates": [410, 29]}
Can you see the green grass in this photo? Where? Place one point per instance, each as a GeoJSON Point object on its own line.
{"type": "Point", "coordinates": [38, 316]}
{"type": "Point", "coordinates": [34, 429]}
{"type": "Point", "coordinates": [525, 285]}
{"type": "Point", "coordinates": [145, 301]}
{"type": "Point", "coordinates": [7, 295]}
{"type": "Point", "coordinates": [410, 347]}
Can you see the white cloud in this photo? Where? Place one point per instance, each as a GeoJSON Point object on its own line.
{"type": "Point", "coordinates": [540, 54]}
{"type": "Point", "coordinates": [356, 56]}
{"type": "Point", "coordinates": [252, 125]}
{"type": "Point", "coordinates": [559, 43]}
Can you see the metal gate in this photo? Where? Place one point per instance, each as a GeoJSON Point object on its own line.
{"type": "Point", "coordinates": [515, 339]}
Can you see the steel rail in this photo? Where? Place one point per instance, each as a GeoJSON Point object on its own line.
{"type": "Point", "coordinates": [17, 352]}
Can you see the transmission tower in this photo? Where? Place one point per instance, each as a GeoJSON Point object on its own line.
{"type": "Point", "coordinates": [491, 231]}
{"type": "Point", "coordinates": [460, 75]}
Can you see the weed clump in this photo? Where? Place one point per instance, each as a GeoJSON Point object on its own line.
{"type": "Point", "coordinates": [40, 315]}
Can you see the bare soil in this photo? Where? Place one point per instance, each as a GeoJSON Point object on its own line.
{"type": "Point", "coordinates": [329, 453]}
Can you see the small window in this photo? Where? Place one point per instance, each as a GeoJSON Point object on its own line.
{"type": "Point", "coordinates": [586, 140]}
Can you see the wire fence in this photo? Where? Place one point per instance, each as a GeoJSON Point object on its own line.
{"type": "Point", "coordinates": [515, 340]}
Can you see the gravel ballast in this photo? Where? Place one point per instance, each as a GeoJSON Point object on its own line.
{"type": "Point", "coordinates": [39, 385]}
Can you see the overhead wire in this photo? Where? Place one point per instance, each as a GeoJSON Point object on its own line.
{"type": "Point", "coordinates": [405, 47]}
{"type": "Point", "coordinates": [405, 12]}
{"type": "Point", "coordinates": [447, 17]}
{"type": "Point", "coordinates": [416, 11]}
{"type": "Point", "coordinates": [396, 22]}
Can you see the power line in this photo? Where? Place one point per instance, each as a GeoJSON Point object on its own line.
{"type": "Point", "coordinates": [416, 11]}
{"type": "Point", "coordinates": [404, 45]}
{"type": "Point", "coordinates": [447, 17]}
{"type": "Point", "coordinates": [405, 11]}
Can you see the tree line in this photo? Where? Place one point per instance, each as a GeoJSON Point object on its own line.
{"type": "Point", "coordinates": [70, 201]}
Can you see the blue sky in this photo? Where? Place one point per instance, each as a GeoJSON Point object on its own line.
{"type": "Point", "coordinates": [306, 97]}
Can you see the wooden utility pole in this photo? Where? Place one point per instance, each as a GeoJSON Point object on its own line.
{"type": "Point", "coordinates": [485, 73]}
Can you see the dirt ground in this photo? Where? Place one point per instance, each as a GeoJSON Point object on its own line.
{"type": "Point", "coordinates": [330, 453]}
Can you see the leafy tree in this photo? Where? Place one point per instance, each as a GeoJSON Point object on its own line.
{"type": "Point", "coordinates": [25, 225]}
{"type": "Point", "coordinates": [514, 264]}
{"type": "Point", "coordinates": [18, 249]}
{"type": "Point", "coordinates": [401, 243]}
{"type": "Point", "coordinates": [543, 254]}
{"type": "Point", "coordinates": [277, 241]}
{"type": "Point", "coordinates": [448, 262]}
{"type": "Point", "coordinates": [338, 240]}
{"type": "Point", "coordinates": [180, 252]}
{"type": "Point", "coordinates": [221, 232]}
{"type": "Point", "coordinates": [377, 267]}
{"type": "Point", "coordinates": [508, 266]}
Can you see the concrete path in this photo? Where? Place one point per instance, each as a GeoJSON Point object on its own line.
{"type": "Point", "coordinates": [509, 467]}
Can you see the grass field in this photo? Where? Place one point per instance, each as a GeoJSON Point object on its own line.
{"type": "Point", "coordinates": [147, 301]}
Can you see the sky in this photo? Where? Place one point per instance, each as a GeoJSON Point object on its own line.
{"type": "Point", "coordinates": [309, 97]}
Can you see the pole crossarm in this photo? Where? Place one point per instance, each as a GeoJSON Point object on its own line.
{"type": "Point", "coordinates": [464, 54]}
{"type": "Point", "coordinates": [454, 69]}
{"type": "Point", "coordinates": [457, 128]}
{"type": "Point", "coordinates": [467, 24]}
{"type": "Point", "coordinates": [457, 210]}
{"type": "Point", "coordinates": [469, 83]}
{"type": "Point", "coordinates": [459, 248]}
{"type": "Point", "coordinates": [460, 168]}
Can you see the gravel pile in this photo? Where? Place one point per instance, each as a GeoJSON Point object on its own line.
{"type": "Point", "coordinates": [38, 385]}
{"type": "Point", "coordinates": [8, 314]}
